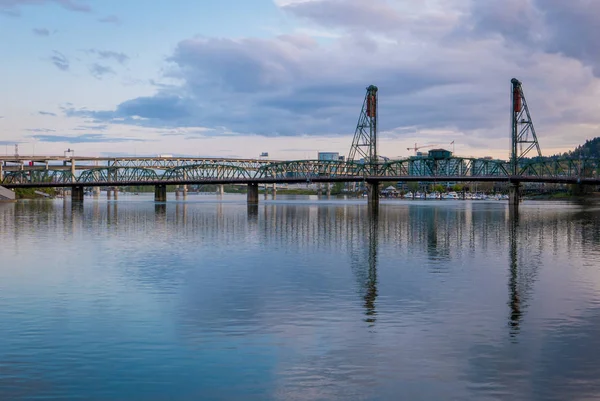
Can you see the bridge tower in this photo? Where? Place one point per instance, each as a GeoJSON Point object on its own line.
{"type": "Point", "coordinates": [523, 136]}
{"type": "Point", "coordinates": [364, 144]}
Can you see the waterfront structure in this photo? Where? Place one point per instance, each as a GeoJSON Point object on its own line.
{"type": "Point", "coordinates": [439, 166]}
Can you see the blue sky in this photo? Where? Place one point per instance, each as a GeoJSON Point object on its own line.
{"type": "Point", "coordinates": [238, 77]}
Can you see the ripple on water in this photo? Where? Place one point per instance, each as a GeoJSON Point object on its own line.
{"type": "Point", "coordinates": [298, 299]}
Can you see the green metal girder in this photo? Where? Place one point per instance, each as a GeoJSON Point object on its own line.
{"type": "Point", "coordinates": [307, 169]}
{"type": "Point", "coordinates": [453, 166]}
{"type": "Point", "coordinates": [38, 176]}
{"type": "Point", "coordinates": [206, 171]}
{"type": "Point", "coordinates": [584, 168]}
{"type": "Point", "coordinates": [117, 174]}
{"type": "Point", "coordinates": [322, 169]}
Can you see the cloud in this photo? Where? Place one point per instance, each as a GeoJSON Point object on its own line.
{"type": "Point", "coordinates": [13, 6]}
{"type": "Point", "coordinates": [554, 26]}
{"type": "Point", "coordinates": [375, 15]}
{"type": "Point", "coordinates": [46, 113]}
{"type": "Point", "coordinates": [152, 108]}
{"type": "Point", "coordinates": [60, 61]}
{"type": "Point", "coordinates": [85, 138]}
{"type": "Point", "coordinates": [441, 72]}
{"type": "Point", "coordinates": [41, 31]}
{"type": "Point", "coordinates": [109, 54]}
{"type": "Point", "coordinates": [101, 127]}
{"type": "Point", "coordinates": [40, 130]}
{"type": "Point", "coordinates": [99, 71]}
{"type": "Point", "coordinates": [110, 19]}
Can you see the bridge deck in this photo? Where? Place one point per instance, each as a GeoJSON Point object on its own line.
{"type": "Point", "coordinates": [180, 171]}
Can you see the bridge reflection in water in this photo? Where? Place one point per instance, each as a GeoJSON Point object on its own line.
{"type": "Point", "coordinates": [412, 292]}
{"type": "Point", "coordinates": [435, 236]}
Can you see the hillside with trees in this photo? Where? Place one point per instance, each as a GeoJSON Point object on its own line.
{"type": "Point", "coordinates": [591, 148]}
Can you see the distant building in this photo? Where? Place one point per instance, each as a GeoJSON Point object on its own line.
{"type": "Point", "coordinates": [331, 156]}
{"type": "Point", "coordinates": [439, 154]}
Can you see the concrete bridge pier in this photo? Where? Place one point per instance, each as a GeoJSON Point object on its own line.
{"type": "Point", "coordinates": [252, 198]}
{"type": "Point", "coordinates": [274, 191]}
{"type": "Point", "coordinates": [373, 195]}
{"type": "Point", "coordinates": [514, 195]}
{"type": "Point", "coordinates": [220, 190]}
{"type": "Point", "coordinates": [266, 191]}
{"type": "Point", "coordinates": [108, 193]}
{"type": "Point", "coordinates": [96, 192]}
{"type": "Point", "coordinates": [115, 193]}
{"type": "Point", "coordinates": [77, 194]}
{"type": "Point", "coordinates": [160, 193]}
{"type": "Point", "coordinates": [328, 188]}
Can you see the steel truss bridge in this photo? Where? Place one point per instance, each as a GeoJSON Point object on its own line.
{"type": "Point", "coordinates": [172, 171]}
{"type": "Point", "coordinates": [362, 165]}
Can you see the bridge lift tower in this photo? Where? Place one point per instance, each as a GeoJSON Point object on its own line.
{"type": "Point", "coordinates": [523, 137]}
{"type": "Point", "coordinates": [364, 144]}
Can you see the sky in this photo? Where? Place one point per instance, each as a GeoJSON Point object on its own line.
{"type": "Point", "coordinates": [235, 78]}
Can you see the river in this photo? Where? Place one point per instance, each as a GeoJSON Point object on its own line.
{"type": "Point", "coordinates": [298, 299]}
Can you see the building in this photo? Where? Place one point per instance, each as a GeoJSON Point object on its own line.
{"type": "Point", "coordinates": [330, 156]}
{"type": "Point", "coordinates": [437, 162]}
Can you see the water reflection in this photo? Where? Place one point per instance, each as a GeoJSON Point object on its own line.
{"type": "Point", "coordinates": [515, 302]}
{"type": "Point", "coordinates": [299, 300]}
{"type": "Point", "coordinates": [371, 283]}
{"type": "Point", "coordinates": [364, 263]}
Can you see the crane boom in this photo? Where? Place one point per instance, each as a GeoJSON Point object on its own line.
{"type": "Point", "coordinates": [416, 148]}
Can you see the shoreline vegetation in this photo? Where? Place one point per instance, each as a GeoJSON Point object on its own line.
{"type": "Point", "coordinates": [36, 193]}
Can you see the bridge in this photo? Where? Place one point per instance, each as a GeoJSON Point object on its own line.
{"type": "Point", "coordinates": [362, 165]}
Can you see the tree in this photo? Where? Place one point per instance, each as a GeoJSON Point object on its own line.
{"type": "Point", "coordinates": [413, 186]}
{"type": "Point", "coordinates": [438, 188]}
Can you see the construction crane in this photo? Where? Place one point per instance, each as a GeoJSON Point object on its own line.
{"type": "Point", "coordinates": [416, 148]}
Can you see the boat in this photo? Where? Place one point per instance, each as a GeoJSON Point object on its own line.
{"type": "Point", "coordinates": [451, 195]}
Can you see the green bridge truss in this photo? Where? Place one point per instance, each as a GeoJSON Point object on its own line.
{"type": "Point", "coordinates": [307, 170]}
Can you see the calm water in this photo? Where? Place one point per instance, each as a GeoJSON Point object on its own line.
{"type": "Point", "coordinates": [298, 300]}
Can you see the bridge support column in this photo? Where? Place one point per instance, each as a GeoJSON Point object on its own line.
{"type": "Point", "coordinates": [115, 193]}
{"type": "Point", "coordinates": [160, 193]}
{"type": "Point", "coordinates": [1, 171]}
{"type": "Point", "coordinates": [514, 195]}
{"type": "Point", "coordinates": [108, 193]}
{"type": "Point", "coordinates": [220, 189]}
{"type": "Point", "coordinates": [77, 194]}
{"type": "Point", "coordinates": [274, 191]}
{"type": "Point", "coordinates": [96, 191]}
{"type": "Point", "coordinates": [373, 194]}
{"type": "Point", "coordinates": [252, 198]}
{"type": "Point", "coordinates": [328, 187]}
{"type": "Point", "coordinates": [73, 169]}
{"type": "Point", "coordinates": [266, 191]}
